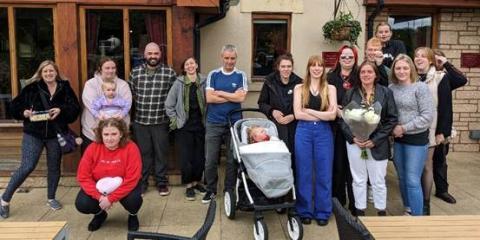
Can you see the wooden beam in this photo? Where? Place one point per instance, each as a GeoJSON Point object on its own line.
{"type": "Point", "coordinates": [427, 3]}
{"type": "Point", "coordinates": [126, 42]}
{"type": "Point", "coordinates": [198, 3]}
{"type": "Point", "coordinates": [13, 51]}
{"type": "Point", "coordinates": [96, 2]}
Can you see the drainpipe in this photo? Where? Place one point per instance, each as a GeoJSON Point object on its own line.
{"type": "Point", "coordinates": [224, 6]}
{"type": "Point", "coordinates": [371, 18]}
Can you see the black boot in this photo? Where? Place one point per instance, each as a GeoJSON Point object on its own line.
{"type": "Point", "coordinates": [133, 223]}
{"type": "Point", "coordinates": [360, 213]}
{"type": "Point", "coordinates": [97, 221]}
{"type": "Point", "coordinates": [381, 213]}
{"type": "Point", "coordinates": [426, 207]}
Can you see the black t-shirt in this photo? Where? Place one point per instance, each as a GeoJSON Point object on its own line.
{"type": "Point", "coordinates": [194, 121]}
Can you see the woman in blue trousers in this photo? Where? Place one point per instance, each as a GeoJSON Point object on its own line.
{"type": "Point", "coordinates": [314, 104]}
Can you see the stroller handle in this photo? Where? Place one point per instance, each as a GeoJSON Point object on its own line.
{"type": "Point", "coordinates": [241, 110]}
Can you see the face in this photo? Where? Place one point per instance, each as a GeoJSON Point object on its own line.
{"type": "Point", "coordinates": [402, 71]}
{"type": "Point", "coordinates": [421, 61]}
{"type": "Point", "coordinates": [316, 70]}
{"type": "Point", "coordinates": [109, 90]}
{"type": "Point", "coordinates": [367, 75]}
{"type": "Point", "coordinates": [347, 59]}
{"type": "Point", "coordinates": [229, 60]}
{"type": "Point", "coordinates": [190, 67]}
{"type": "Point", "coordinates": [109, 70]}
{"type": "Point", "coordinates": [373, 51]}
{"type": "Point", "coordinates": [49, 74]}
{"type": "Point", "coordinates": [111, 137]}
{"type": "Point", "coordinates": [152, 55]}
{"type": "Point", "coordinates": [285, 68]}
{"type": "Point", "coordinates": [384, 33]}
{"type": "Point", "coordinates": [259, 134]}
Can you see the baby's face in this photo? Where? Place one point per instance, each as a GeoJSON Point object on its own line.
{"type": "Point", "coordinates": [109, 91]}
{"type": "Point", "coordinates": [259, 134]}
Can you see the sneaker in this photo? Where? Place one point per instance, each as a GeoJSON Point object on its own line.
{"type": "Point", "coordinates": [133, 223]}
{"type": "Point", "coordinates": [97, 221]}
{"type": "Point", "coordinates": [4, 211]}
{"type": "Point", "coordinates": [322, 222]}
{"type": "Point", "coordinates": [54, 204]}
{"type": "Point", "coordinates": [163, 190]}
{"type": "Point", "coordinates": [208, 197]}
{"type": "Point", "coordinates": [200, 188]}
{"type": "Point", "coordinates": [381, 213]}
{"type": "Point", "coordinates": [190, 194]}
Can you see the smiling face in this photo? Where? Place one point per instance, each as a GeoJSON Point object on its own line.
{"type": "Point", "coordinates": [111, 137]}
{"type": "Point", "coordinates": [152, 54]}
{"type": "Point", "coordinates": [316, 70]}
{"type": "Point", "coordinates": [422, 62]}
{"type": "Point", "coordinates": [347, 58]}
{"type": "Point", "coordinates": [229, 59]}
{"type": "Point", "coordinates": [384, 33]}
{"type": "Point", "coordinates": [109, 89]}
{"type": "Point", "coordinates": [108, 70]}
{"type": "Point", "coordinates": [49, 74]}
{"type": "Point", "coordinates": [367, 75]}
{"type": "Point", "coordinates": [402, 72]}
{"type": "Point", "coordinates": [373, 51]}
{"type": "Point", "coordinates": [285, 68]}
{"type": "Point", "coordinates": [190, 67]}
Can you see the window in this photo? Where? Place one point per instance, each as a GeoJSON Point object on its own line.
{"type": "Point", "coordinates": [271, 38]}
{"type": "Point", "coordinates": [5, 85]}
{"type": "Point", "coordinates": [414, 31]}
{"type": "Point", "coordinates": [122, 33]}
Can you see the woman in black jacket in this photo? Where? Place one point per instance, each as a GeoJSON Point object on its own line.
{"type": "Point", "coordinates": [343, 77]}
{"type": "Point", "coordinates": [374, 168]}
{"type": "Point", "coordinates": [40, 127]}
{"type": "Point", "coordinates": [276, 100]}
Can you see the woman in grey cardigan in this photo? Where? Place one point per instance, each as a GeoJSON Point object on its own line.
{"type": "Point", "coordinates": [185, 106]}
{"type": "Point", "coordinates": [415, 115]}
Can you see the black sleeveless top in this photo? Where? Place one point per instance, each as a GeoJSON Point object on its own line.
{"type": "Point", "coordinates": [314, 102]}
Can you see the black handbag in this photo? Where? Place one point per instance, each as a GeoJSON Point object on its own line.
{"type": "Point", "coordinates": [66, 139]}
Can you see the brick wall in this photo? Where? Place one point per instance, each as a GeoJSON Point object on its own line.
{"type": "Point", "coordinates": [459, 32]}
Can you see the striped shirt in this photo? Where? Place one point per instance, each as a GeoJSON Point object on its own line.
{"type": "Point", "coordinates": [149, 90]}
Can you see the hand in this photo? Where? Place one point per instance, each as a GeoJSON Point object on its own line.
{"type": "Point", "coordinates": [339, 111]}
{"type": "Point", "coordinates": [359, 143]}
{"type": "Point", "coordinates": [369, 144]}
{"type": "Point", "coordinates": [439, 138]}
{"type": "Point", "coordinates": [378, 58]}
{"type": "Point", "coordinates": [27, 113]}
{"type": "Point", "coordinates": [440, 60]}
{"type": "Point", "coordinates": [104, 203]}
{"type": "Point", "coordinates": [117, 116]}
{"type": "Point", "coordinates": [54, 112]}
{"type": "Point", "coordinates": [277, 115]}
{"type": "Point", "coordinates": [398, 131]}
{"type": "Point", "coordinates": [286, 119]}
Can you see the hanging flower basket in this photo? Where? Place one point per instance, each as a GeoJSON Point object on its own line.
{"type": "Point", "coordinates": [342, 28]}
{"type": "Point", "coordinates": [341, 34]}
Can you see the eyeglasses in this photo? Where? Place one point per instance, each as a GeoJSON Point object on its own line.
{"type": "Point", "coordinates": [346, 57]}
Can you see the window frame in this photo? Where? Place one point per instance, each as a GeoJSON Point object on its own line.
{"type": "Point", "coordinates": [126, 36]}
{"type": "Point", "coordinates": [269, 16]}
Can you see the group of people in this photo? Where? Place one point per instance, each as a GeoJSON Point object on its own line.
{"type": "Point", "coordinates": [415, 96]}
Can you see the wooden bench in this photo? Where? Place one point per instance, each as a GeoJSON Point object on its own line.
{"type": "Point", "coordinates": [424, 227]}
{"type": "Point", "coordinates": [33, 230]}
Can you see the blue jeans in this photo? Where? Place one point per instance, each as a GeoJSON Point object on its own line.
{"type": "Point", "coordinates": [314, 160]}
{"type": "Point", "coordinates": [409, 162]}
{"type": "Point", "coordinates": [31, 150]}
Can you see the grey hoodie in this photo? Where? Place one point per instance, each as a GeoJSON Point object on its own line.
{"type": "Point", "coordinates": [174, 106]}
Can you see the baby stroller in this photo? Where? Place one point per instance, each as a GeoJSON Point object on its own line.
{"type": "Point", "coordinates": [264, 178]}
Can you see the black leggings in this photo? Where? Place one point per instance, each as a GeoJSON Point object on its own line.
{"type": "Point", "coordinates": [88, 205]}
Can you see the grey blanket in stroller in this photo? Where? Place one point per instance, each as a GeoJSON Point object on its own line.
{"type": "Point", "coordinates": [268, 165]}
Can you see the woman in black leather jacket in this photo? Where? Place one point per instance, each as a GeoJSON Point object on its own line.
{"type": "Point", "coordinates": [276, 100]}
{"type": "Point", "coordinates": [374, 168]}
{"type": "Point", "coordinates": [41, 132]}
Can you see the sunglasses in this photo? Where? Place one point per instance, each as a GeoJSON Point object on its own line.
{"type": "Point", "coordinates": [346, 57]}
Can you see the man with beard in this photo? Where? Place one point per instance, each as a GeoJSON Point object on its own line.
{"type": "Point", "coordinates": [226, 89]}
{"type": "Point", "coordinates": [150, 83]}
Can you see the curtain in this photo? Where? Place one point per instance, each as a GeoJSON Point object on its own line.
{"type": "Point", "coordinates": [93, 22]}
{"type": "Point", "coordinates": [156, 30]}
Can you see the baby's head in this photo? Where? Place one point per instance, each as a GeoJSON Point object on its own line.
{"type": "Point", "coordinates": [257, 134]}
{"type": "Point", "coordinates": [108, 88]}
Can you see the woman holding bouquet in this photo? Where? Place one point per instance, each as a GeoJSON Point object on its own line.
{"type": "Point", "coordinates": [415, 114]}
{"type": "Point", "coordinates": [372, 167]}
{"type": "Point", "coordinates": [343, 77]}
{"type": "Point", "coordinates": [314, 104]}
{"type": "Point", "coordinates": [440, 84]}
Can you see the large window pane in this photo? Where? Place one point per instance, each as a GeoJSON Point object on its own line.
{"type": "Point", "coordinates": [5, 84]}
{"type": "Point", "coordinates": [270, 41]}
{"type": "Point", "coordinates": [414, 31]}
{"type": "Point", "coordinates": [104, 38]}
{"type": "Point", "coordinates": [147, 26]}
{"type": "Point", "coordinates": [34, 39]}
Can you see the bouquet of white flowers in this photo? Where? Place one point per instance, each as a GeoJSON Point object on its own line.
{"type": "Point", "coordinates": [362, 120]}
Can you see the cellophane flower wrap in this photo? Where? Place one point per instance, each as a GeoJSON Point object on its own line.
{"type": "Point", "coordinates": [362, 120]}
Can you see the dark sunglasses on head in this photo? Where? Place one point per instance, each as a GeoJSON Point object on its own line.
{"type": "Point", "coordinates": [346, 57]}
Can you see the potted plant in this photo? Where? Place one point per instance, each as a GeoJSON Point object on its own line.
{"type": "Point", "coordinates": [343, 27]}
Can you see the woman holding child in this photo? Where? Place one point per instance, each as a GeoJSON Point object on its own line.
{"type": "Point", "coordinates": [95, 93]}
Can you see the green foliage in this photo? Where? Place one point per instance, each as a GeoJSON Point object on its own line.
{"type": "Point", "coordinates": [343, 27]}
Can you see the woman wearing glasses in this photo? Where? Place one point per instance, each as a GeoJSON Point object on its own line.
{"type": "Point", "coordinates": [343, 77]}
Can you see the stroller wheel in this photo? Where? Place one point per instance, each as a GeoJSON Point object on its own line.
{"type": "Point", "coordinates": [229, 202]}
{"type": "Point", "coordinates": [260, 231]}
{"type": "Point", "coordinates": [295, 228]}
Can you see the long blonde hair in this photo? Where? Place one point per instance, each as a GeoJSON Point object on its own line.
{"type": "Point", "coordinates": [37, 76]}
{"type": "Point", "coordinates": [322, 86]}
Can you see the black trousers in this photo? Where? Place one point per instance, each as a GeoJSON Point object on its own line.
{"type": "Point", "coordinates": [342, 177]}
{"type": "Point", "coordinates": [287, 134]}
{"type": "Point", "coordinates": [85, 142]}
{"type": "Point", "coordinates": [88, 205]}
{"type": "Point", "coordinates": [440, 168]}
{"type": "Point", "coordinates": [191, 152]}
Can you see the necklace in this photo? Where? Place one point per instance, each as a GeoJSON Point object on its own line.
{"type": "Point", "coordinates": [346, 82]}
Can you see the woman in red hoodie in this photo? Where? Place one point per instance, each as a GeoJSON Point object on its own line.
{"type": "Point", "coordinates": [116, 161]}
